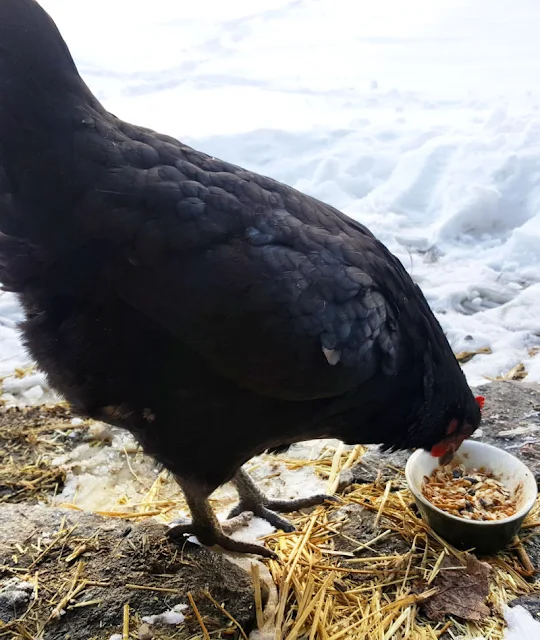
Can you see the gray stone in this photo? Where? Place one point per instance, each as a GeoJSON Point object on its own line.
{"type": "Point", "coordinates": [360, 528]}
{"type": "Point", "coordinates": [529, 602]}
{"type": "Point", "coordinates": [376, 466]}
{"type": "Point", "coordinates": [510, 421]}
{"type": "Point", "coordinates": [15, 597]}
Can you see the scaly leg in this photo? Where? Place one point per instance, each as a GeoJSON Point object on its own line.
{"type": "Point", "coordinates": [253, 500]}
{"type": "Point", "coordinates": [206, 526]}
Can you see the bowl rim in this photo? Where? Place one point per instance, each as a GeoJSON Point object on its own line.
{"type": "Point", "coordinates": [521, 514]}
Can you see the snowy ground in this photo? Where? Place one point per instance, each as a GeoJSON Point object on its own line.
{"type": "Point", "coordinates": [419, 118]}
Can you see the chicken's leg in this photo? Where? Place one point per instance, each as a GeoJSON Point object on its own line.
{"type": "Point", "coordinates": [252, 499]}
{"type": "Point", "coordinates": [206, 526]}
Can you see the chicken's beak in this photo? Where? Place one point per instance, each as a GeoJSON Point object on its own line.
{"type": "Point", "coordinates": [448, 455]}
{"type": "Point", "coordinates": [446, 449]}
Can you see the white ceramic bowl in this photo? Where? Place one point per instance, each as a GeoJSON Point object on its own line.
{"type": "Point", "coordinates": [484, 536]}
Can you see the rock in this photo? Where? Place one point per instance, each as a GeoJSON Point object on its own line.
{"type": "Point", "coordinates": [145, 632]}
{"type": "Point", "coordinates": [529, 602]}
{"type": "Point", "coordinates": [15, 597]}
{"type": "Point", "coordinates": [510, 421]}
{"type": "Point", "coordinates": [376, 465]}
{"type": "Point", "coordinates": [122, 563]}
{"type": "Point", "coordinates": [360, 528]}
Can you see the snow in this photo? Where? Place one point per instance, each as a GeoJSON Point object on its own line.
{"type": "Point", "coordinates": [107, 477]}
{"type": "Point", "coordinates": [521, 624]}
{"type": "Point", "coordinates": [173, 616]}
{"type": "Point", "coordinates": [421, 119]}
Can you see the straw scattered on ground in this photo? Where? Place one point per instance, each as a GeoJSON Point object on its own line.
{"type": "Point", "coordinates": [466, 356]}
{"type": "Point", "coordinates": [29, 438]}
{"type": "Point", "coordinates": [369, 590]}
{"type": "Point", "coordinates": [369, 593]}
{"type": "Point", "coordinates": [334, 583]}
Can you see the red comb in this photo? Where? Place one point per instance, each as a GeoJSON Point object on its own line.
{"type": "Point", "coordinates": [480, 400]}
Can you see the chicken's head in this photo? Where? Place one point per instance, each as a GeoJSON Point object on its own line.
{"type": "Point", "coordinates": [456, 434]}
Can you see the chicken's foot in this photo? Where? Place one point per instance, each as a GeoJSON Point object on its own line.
{"type": "Point", "coordinates": [207, 527]}
{"type": "Point", "coordinates": [252, 499]}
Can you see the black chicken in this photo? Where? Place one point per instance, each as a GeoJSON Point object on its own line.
{"type": "Point", "coordinates": [213, 312]}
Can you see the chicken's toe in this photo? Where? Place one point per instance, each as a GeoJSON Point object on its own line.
{"type": "Point", "coordinates": [182, 527]}
{"type": "Point", "coordinates": [266, 509]}
{"type": "Point", "coordinates": [210, 537]}
{"type": "Point", "coordinates": [287, 506]}
{"type": "Point", "coordinates": [252, 499]}
{"type": "Point", "coordinates": [261, 511]}
{"type": "Point", "coordinates": [237, 546]}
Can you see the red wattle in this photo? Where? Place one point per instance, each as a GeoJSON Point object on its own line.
{"type": "Point", "coordinates": [438, 450]}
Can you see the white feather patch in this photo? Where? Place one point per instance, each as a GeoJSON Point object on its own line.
{"type": "Point", "coordinates": [331, 355]}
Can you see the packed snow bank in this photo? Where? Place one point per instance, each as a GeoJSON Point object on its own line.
{"type": "Point", "coordinates": [458, 203]}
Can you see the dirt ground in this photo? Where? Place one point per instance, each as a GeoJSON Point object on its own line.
{"type": "Point", "coordinates": [29, 438]}
{"type": "Point", "coordinates": [105, 564]}
{"type": "Point", "coordinates": [95, 577]}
